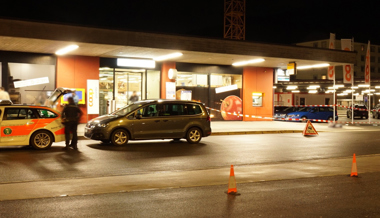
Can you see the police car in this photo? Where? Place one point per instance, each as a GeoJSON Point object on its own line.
{"type": "Point", "coordinates": [37, 126]}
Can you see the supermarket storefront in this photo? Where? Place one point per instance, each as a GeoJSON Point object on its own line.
{"type": "Point", "coordinates": [204, 72]}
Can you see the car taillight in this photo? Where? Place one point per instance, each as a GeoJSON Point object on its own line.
{"type": "Point", "coordinates": [208, 118]}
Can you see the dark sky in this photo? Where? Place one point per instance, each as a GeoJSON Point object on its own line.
{"type": "Point", "coordinates": [268, 21]}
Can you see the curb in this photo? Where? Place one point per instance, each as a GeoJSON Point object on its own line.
{"type": "Point", "coordinates": [256, 132]}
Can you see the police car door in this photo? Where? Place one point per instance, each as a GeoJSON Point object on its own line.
{"type": "Point", "coordinates": [16, 125]}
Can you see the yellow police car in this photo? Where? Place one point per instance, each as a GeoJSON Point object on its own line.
{"type": "Point", "coordinates": [37, 126]}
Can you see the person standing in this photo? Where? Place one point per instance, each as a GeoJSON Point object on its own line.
{"type": "Point", "coordinates": [71, 114]}
{"type": "Point", "coordinates": [134, 97]}
{"type": "Point", "coordinates": [76, 98]}
{"type": "Point", "coordinates": [4, 94]}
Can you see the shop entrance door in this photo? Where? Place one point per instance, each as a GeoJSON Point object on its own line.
{"type": "Point", "coordinates": [127, 83]}
{"type": "Point", "coordinates": [116, 86]}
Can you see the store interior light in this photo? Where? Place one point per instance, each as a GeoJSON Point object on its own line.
{"type": "Point", "coordinates": [363, 85]}
{"type": "Point", "coordinates": [377, 87]}
{"type": "Point", "coordinates": [313, 91]}
{"type": "Point", "coordinates": [312, 66]}
{"type": "Point", "coordinates": [296, 91]}
{"type": "Point", "coordinates": [275, 87]}
{"type": "Point", "coordinates": [248, 62]}
{"type": "Point", "coordinates": [291, 87]}
{"type": "Point", "coordinates": [339, 86]}
{"type": "Point", "coordinates": [354, 87]}
{"type": "Point", "coordinates": [66, 49]}
{"type": "Point", "coordinates": [314, 86]}
{"type": "Point", "coordinates": [169, 56]}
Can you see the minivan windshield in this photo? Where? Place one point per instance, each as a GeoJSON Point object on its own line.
{"type": "Point", "coordinates": [125, 110]}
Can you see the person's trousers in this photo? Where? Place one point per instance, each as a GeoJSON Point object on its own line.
{"type": "Point", "coordinates": [71, 127]}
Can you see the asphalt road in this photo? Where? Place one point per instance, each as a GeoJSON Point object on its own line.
{"type": "Point", "coordinates": [97, 160]}
{"type": "Point", "coordinates": [310, 195]}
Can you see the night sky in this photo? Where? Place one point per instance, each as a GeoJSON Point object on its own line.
{"type": "Point", "coordinates": [282, 22]}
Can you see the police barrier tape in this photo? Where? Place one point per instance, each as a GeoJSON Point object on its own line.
{"type": "Point", "coordinates": [337, 105]}
{"type": "Point", "coordinates": [298, 119]}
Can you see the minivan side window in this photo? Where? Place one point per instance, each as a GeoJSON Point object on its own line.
{"type": "Point", "coordinates": [149, 111]}
{"type": "Point", "coordinates": [155, 110]}
{"type": "Point", "coordinates": [193, 109]}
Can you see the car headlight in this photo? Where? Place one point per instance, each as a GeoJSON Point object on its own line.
{"type": "Point", "coordinates": [102, 125]}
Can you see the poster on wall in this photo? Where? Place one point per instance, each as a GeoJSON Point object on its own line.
{"type": "Point", "coordinates": [92, 96]}
{"type": "Point", "coordinates": [257, 99]}
{"type": "Point", "coordinates": [79, 96]}
{"type": "Point", "coordinates": [231, 108]}
{"type": "Point", "coordinates": [170, 90]}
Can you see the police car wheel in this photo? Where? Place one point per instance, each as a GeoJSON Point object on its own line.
{"type": "Point", "coordinates": [119, 137]}
{"type": "Point", "coordinates": [41, 140]}
{"type": "Point", "coordinates": [193, 136]}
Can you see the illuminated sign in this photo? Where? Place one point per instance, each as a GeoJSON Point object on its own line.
{"type": "Point", "coordinates": [129, 62]}
{"type": "Point", "coordinates": [79, 93]}
{"type": "Point", "coordinates": [31, 82]}
{"type": "Point", "coordinates": [226, 88]}
{"type": "Point", "coordinates": [291, 68]}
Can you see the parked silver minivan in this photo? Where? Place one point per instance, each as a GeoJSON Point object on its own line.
{"type": "Point", "coordinates": [152, 119]}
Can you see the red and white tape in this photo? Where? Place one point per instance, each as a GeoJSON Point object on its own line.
{"type": "Point", "coordinates": [295, 119]}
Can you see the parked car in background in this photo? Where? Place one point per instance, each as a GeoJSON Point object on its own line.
{"type": "Point", "coordinates": [283, 114]}
{"type": "Point", "coordinates": [280, 108]}
{"type": "Point", "coordinates": [359, 111]}
{"type": "Point", "coordinates": [311, 113]}
{"type": "Point", "coordinates": [152, 119]}
{"type": "Point", "coordinates": [376, 112]}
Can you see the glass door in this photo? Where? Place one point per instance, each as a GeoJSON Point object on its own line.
{"type": "Point", "coordinates": [105, 89]}
{"type": "Point", "coordinates": [128, 84]}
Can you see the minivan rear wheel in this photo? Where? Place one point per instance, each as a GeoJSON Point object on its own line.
{"type": "Point", "coordinates": [194, 135]}
{"type": "Point", "coordinates": [119, 137]}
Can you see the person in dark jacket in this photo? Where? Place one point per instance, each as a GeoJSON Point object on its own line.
{"type": "Point", "coordinates": [70, 115]}
{"type": "Point", "coordinates": [134, 97]}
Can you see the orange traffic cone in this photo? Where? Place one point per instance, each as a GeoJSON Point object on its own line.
{"type": "Point", "coordinates": [232, 183]}
{"type": "Point", "coordinates": [354, 169]}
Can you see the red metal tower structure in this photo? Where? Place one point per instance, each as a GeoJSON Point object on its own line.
{"type": "Point", "coordinates": [234, 19]}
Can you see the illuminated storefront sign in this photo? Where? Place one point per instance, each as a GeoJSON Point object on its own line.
{"type": "Point", "coordinates": [31, 82]}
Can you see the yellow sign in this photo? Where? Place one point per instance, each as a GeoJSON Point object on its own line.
{"type": "Point", "coordinates": [291, 68]}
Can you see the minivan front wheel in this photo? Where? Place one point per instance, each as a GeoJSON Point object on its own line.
{"type": "Point", "coordinates": [193, 136]}
{"type": "Point", "coordinates": [119, 137]}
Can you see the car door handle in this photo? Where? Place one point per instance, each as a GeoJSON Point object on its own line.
{"type": "Point", "coordinates": [157, 121]}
